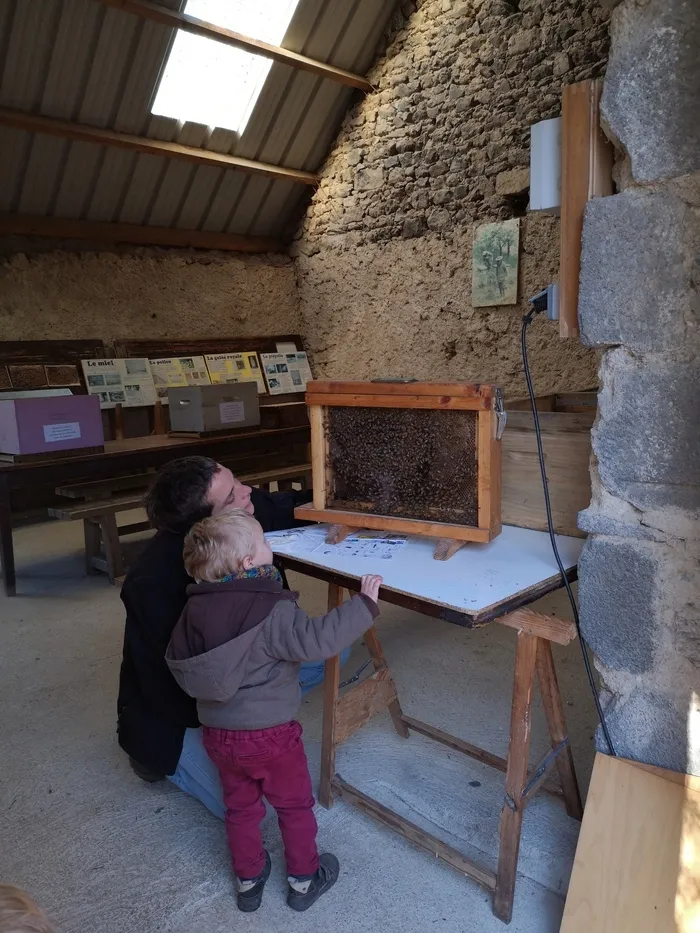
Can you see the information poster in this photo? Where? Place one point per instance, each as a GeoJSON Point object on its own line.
{"type": "Point", "coordinates": [174, 373]}
{"type": "Point", "coordinates": [120, 382]}
{"type": "Point", "coordinates": [286, 372]}
{"type": "Point", "coordinates": [235, 367]}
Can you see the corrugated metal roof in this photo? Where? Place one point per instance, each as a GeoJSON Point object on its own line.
{"type": "Point", "coordinates": [81, 61]}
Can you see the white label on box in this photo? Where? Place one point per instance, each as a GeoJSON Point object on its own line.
{"type": "Point", "coordinates": [61, 432]}
{"type": "Point", "coordinates": [231, 411]}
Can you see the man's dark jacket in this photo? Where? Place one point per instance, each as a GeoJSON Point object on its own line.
{"type": "Point", "coordinates": [153, 712]}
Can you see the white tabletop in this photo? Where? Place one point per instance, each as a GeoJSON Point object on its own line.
{"type": "Point", "coordinates": [475, 581]}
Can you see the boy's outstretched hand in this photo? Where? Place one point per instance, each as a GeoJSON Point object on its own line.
{"type": "Point", "coordinates": [369, 586]}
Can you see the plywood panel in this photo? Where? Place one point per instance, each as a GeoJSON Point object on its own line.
{"type": "Point", "coordinates": [477, 580]}
{"type": "Point", "coordinates": [586, 172]}
{"type": "Point", "coordinates": [567, 461]}
{"type": "Point", "coordinates": [637, 866]}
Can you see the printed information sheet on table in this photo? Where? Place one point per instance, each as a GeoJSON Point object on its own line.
{"type": "Point", "coordinates": [364, 545]}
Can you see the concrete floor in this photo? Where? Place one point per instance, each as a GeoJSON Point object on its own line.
{"type": "Point", "coordinates": [102, 851]}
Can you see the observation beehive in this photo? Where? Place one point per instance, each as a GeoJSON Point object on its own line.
{"type": "Point", "coordinates": [419, 458]}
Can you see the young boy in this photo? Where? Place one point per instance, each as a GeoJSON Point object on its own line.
{"type": "Point", "coordinates": [237, 649]}
{"type": "Point", "coordinates": [19, 913]}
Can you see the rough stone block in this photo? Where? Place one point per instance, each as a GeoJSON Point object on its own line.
{"type": "Point", "coordinates": [653, 727]}
{"type": "Point", "coordinates": [413, 227]}
{"type": "Point", "coordinates": [596, 522]}
{"type": "Point", "coordinates": [369, 179]}
{"type": "Point", "coordinates": [522, 41]}
{"type": "Point", "coordinates": [439, 219]}
{"type": "Point", "coordinates": [686, 631]}
{"type": "Point", "coordinates": [646, 439]}
{"type": "Point", "coordinates": [639, 268]}
{"type": "Point", "coordinates": [561, 64]}
{"type": "Point", "coordinates": [651, 97]}
{"type": "Point", "coordinates": [617, 593]}
{"type": "Point", "coordinates": [514, 181]}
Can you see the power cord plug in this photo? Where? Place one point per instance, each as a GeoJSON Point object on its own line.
{"type": "Point", "coordinates": [539, 304]}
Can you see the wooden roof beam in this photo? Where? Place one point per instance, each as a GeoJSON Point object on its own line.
{"type": "Point", "coordinates": [159, 14]}
{"type": "Point", "coordinates": [69, 229]}
{"type": "Point", "coordinates": [34, 123]}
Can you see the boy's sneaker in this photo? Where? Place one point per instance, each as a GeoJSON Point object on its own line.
{"type": "Point", "coordinates": [250, 892]}
{"type": "Point", "coordinates": [303, 892]}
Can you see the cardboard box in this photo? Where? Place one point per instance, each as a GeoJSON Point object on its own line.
{"type": "Point", "coordinates": [203, 409]}
{"type": "Point", "coordinates": [46, 425]}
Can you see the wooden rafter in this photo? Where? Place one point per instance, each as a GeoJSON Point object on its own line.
{"type": "Point", "coordinates": [98, 232]}
{"type": "Point", "coordinates": [159, 14]}
{"type": "Point", "coordinates": [35, 123]}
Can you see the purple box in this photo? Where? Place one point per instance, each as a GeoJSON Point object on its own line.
{"type": "Point", "coordinates": [44, 425]}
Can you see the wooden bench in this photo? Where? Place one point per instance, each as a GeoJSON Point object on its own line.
{"type": "Point", "coordinates": [285, 477]}
{"type": "Point", "coordinates": [100, 489]}
{"type": "Point", "coordinates": [101, 501]}
{"type": "Point", "coordinates": [101, 531]}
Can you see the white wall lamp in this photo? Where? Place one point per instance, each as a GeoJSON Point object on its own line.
{"type": "Point", "coordinates": [545, 166]}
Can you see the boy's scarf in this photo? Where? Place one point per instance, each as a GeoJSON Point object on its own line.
{"type": "Point", "coordinates": [266, 572]}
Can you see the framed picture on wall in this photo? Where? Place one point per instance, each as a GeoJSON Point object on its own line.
{"type": "Point", "coordinates": [495, 263]}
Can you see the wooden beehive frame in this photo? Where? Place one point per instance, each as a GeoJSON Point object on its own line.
{"type": "Point", "coordinates": [320, 396]}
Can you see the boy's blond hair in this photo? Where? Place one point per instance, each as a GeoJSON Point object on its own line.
{"type": "Point", "coordinates": [19, 914]}
{"type": "Point", "coordinates": [217, 546]}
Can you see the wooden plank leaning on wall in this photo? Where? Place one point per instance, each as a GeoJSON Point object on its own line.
{"type": "Point", "coordinates": [586, 172]}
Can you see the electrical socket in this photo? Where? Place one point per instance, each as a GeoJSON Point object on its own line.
{"type": "Point", "coordinates": [553, 301]}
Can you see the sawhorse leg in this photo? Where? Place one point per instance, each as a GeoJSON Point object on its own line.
{"type": "Point", "coordinates": [554, 711]}
{"type": "Point", "coordinates": [342, 716]}
{"type": "Point", "coordinates": [516, 775]}
{"type": "Point", "coordinates": [331, 685]}
{"type": "Point", "coordinates": [532, 655]}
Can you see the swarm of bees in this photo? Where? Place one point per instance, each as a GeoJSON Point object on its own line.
{"type": "Point", "coordinates": [409, 463]}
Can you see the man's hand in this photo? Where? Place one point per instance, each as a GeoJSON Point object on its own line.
{"type": "Point", "coordinates": [370, 584]}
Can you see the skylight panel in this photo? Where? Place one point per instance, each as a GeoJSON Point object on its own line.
{"type": "Point", "coordinates": [207, 82]}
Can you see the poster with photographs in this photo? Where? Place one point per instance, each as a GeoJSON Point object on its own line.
{"type": "Point", "coordinates": [286, 372]}
{"type": "Point", "coordinates": [171, 373]}
{"type": "Point", "coordinates": [235, 367]}
{"type": "Point", "coordinates": [120, 382]}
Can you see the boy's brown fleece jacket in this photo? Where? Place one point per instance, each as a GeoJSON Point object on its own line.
{"type": "Point", "coordinates": [238, 645]}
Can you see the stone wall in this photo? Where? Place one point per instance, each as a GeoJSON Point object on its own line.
{"type": "Point", "coordinates": [384, 251]}
{"type": "Point", "coordinates": [640, 571]}
{"type": "Point", "coordinates": [144, 293]}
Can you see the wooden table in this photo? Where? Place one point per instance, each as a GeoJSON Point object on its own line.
{"type": "Point", "coordinates": [482, 583]}
{"type": "Point", "coordinates": [129, 455]}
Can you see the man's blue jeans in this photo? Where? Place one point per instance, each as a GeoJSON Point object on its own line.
{"type": "Point", "coordinates": [196, 773]}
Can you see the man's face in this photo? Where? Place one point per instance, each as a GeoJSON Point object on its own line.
{"type": "Point", "coordinates": [226, 492]}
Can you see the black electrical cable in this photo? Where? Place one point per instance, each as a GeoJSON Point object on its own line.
{"type": "Point", "coordinates": [356, 675]}
{"type": "Point", "coordinates": [537, 306]}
